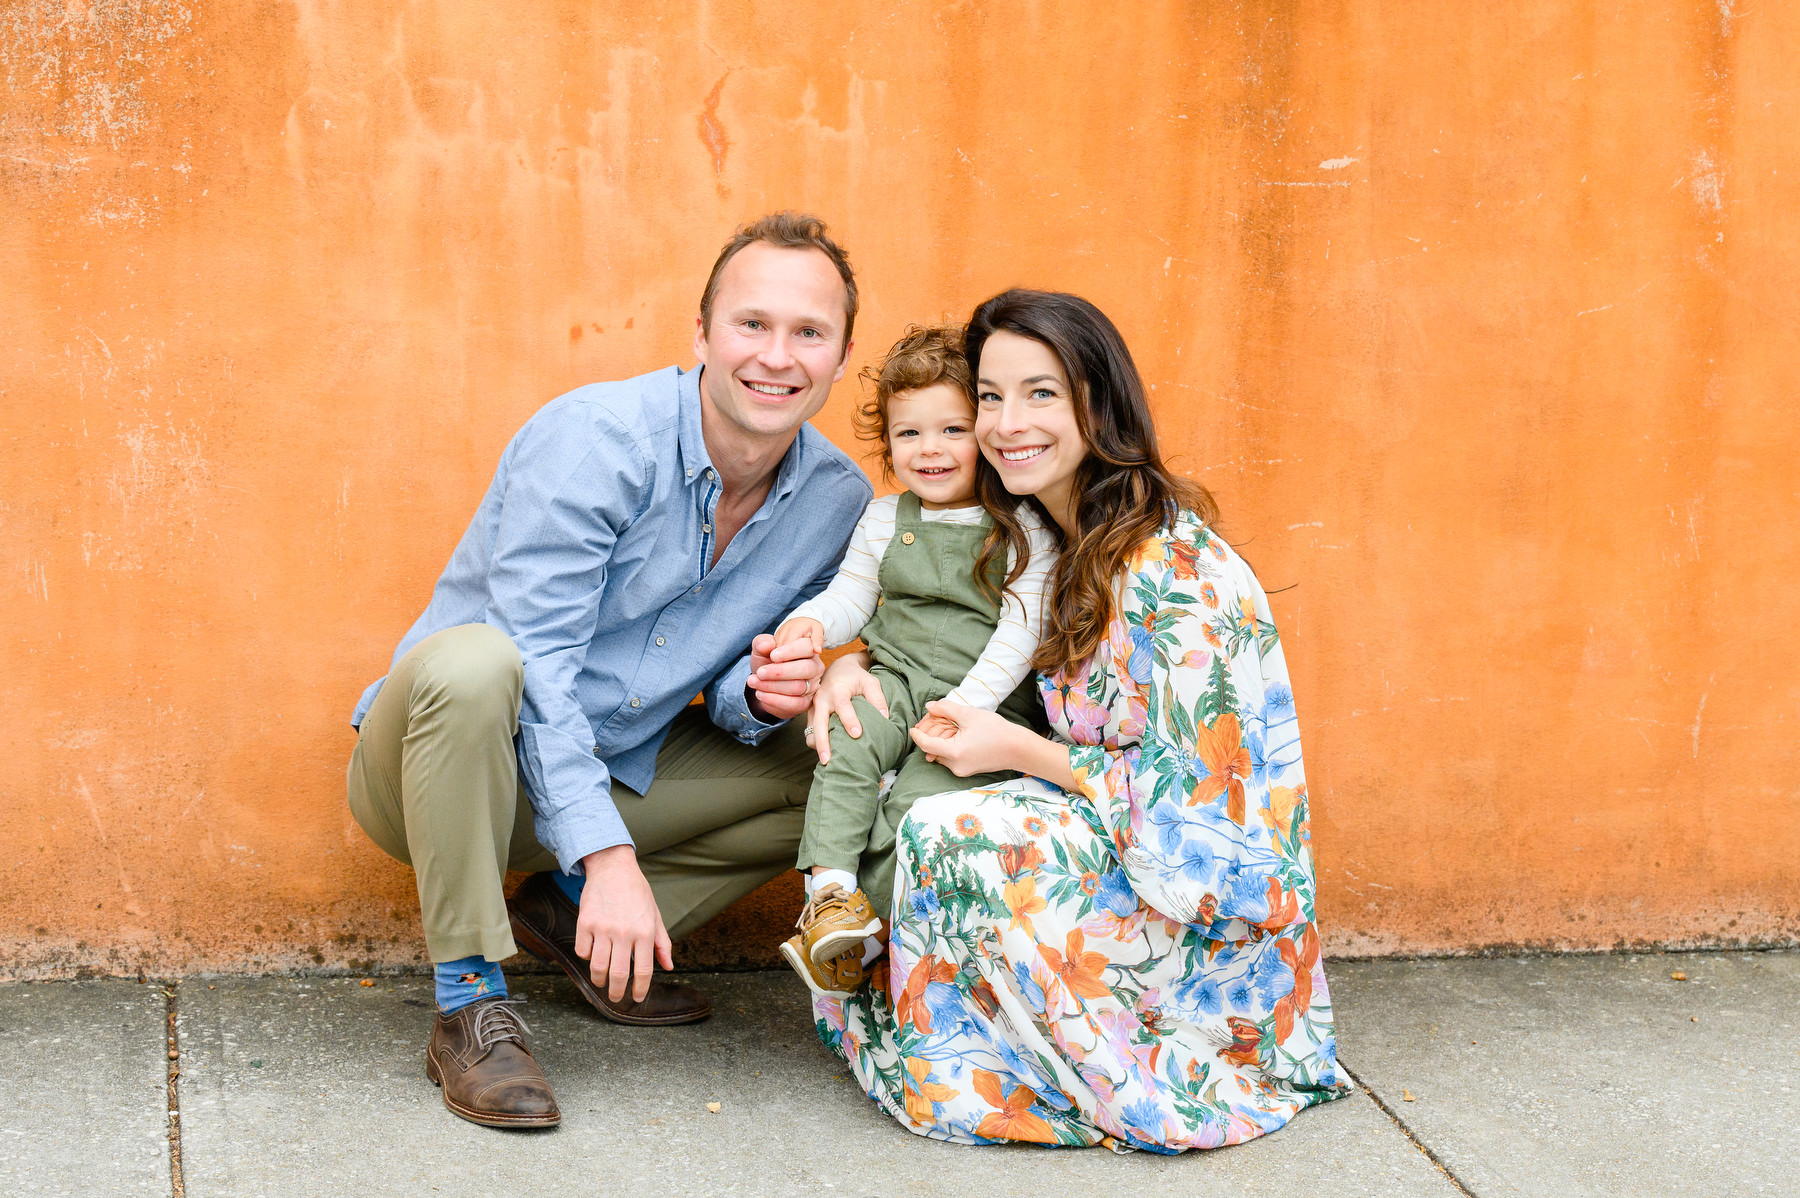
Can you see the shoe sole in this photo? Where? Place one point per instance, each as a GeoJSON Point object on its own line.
{"type": "Point", "coordinates": [485, 1118]}
{"type": "Point", "coordinates": [793, 958]}
{"type": "Point", "coordinates": [833, 943]}
{"type": "Point", "coordinates": [576, 968]}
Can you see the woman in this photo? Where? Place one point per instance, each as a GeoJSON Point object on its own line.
{"type": "Point", "coordinates": [1117, 947]}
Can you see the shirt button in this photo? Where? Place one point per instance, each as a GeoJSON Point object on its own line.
{"type": "Point", "coordinates": [661, 640]}
{"type": "Point", "coordinates": [637, 702]}
{"type": "Point", "coordinates": [690, 472]}
{"type": "Point", "coordinates": [706, 528]}
{"type": "Point", "coordinates": [696, 590]}
{"type": "Point", "coordinates": [709, 474]}
{"type": "Point", "coordinates": [906, 538]}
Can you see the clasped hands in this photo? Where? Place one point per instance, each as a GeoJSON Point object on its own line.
{"type": "Point", "coordinates": [788, 672]}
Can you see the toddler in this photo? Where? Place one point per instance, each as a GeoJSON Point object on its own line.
{"type": "Point", "coordinates": [908, 587]}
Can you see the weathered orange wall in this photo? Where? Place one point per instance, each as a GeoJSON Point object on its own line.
{"type": "Point", "coordinates": [1479, 319]}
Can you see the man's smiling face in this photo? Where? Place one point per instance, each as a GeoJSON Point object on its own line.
{"type": "Point", "coordinates": [776, 344]}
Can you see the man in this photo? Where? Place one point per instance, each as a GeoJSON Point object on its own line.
{"type": "Point", "coordinates": [637, 535]}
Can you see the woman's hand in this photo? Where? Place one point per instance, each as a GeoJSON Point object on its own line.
{"type": "Point", "coordinates": [846, 678]}
{"type": "Point", "coordinates": [967, 740]}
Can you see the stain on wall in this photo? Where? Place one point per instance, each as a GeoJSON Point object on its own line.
{"type": "Point", "coordinates": [1477, 320]}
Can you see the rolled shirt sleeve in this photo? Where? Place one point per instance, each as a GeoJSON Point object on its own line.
{"type": "Point", "coordinates": [555, 535]}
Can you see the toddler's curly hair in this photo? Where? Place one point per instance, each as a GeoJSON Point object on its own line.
{"type": "Point", "coordinates": [925, 356]}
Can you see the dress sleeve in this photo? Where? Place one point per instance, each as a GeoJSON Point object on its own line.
{"type": "Point", "coordinates": [848, 601]}
{"type": "Point", "coordinates": [1188, 807]}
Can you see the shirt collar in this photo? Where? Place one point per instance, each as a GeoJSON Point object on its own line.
{"type": "Point", "coordinates": [695, 461]}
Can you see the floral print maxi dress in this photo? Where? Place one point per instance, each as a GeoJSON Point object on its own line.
{"type": "Point", "coordinates": [1135, 963]}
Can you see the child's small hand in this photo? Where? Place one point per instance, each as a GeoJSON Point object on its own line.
{"type": "Point", "coordinates": [936, 724]}
{"type": "Point", "coordinates": [802, 628]}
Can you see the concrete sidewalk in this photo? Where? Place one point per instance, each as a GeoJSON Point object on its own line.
{"type": "Point", "coordinates": [1519, 1076]}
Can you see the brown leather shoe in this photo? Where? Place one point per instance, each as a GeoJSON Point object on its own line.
{"type": "Point", "coordinates": [478, 1056]}
{"type": "Point", "coordinates": [543, 922]}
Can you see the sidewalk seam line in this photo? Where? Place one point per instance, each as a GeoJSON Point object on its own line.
{"type": "Point", "coordinates": [177, 1184]}
{"type": "Point", "coordinates": [1408, 1133]}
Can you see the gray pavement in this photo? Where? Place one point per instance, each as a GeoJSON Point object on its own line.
{"type": "Point", "coordinates": [86, 1077]}
{"type": "Point", "coordinates": [1534, 1075]}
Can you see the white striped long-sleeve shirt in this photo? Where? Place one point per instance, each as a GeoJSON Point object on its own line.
{"type": "Point", "coordinates": [848, 602]}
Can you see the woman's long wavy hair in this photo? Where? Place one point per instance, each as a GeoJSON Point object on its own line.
{"type": "Point", "coordinates": [1122, 491]}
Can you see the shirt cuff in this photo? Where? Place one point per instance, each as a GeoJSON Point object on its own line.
{"type": "Point", "coordinates": [573, 835]}
{"type": "Point", "coordinates": [731, 707]}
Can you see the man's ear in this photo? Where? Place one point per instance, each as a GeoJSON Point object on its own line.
{"type": "Point", "coordinates": [700, 338]}
{"type": "Point", "coordinates": [844, 362]}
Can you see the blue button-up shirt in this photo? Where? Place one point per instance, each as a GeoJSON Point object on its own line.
{"type": "Point", "coordinates": [593, 551]}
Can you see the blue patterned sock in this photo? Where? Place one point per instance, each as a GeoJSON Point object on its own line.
{"type": "Point", "coordinates": [569, 884]}
{"type": "Point", "coordinates": [460, 983]}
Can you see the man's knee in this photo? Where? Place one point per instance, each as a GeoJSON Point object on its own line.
{"type": "Point", "coordinates": [471, 665]}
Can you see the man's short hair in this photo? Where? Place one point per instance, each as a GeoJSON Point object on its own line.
{"type": "Point", "coordinates": [790, 231]}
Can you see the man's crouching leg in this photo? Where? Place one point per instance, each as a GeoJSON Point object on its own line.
{"type": "Point", "coordinates": [434, 783]}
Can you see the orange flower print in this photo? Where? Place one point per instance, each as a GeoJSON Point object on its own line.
{"type": "Point", "coordinates": [1035, 826]}
{"type": "Point", "coordinates": [1221, 750]}
{"type": "Point", "coordinates": [1218, 550]}
{"type": "Point", "coordinates": [1209, 595]}
{"type": "Point", "coordinates": [1244, 1045]}
{"type": "Point", "coordinates": [1012, 1120]}
{"type": "Point", "coordinates": [1212, 638]}
{"type": "Point", "coordinates": [1284, 907]}
{"type": "Point", "coordinates": [968, 825]}
{"type": "Point", "coordinates": [1017, 860]}
{"type": "Point", "coordinates": [1079, 970]}
{"type": "Point", "coordinates": [1302, 960]}
{"type": "Point", "coordinates": [1023, 900]}
{"type": "Point", "coordinates": [910, 1006]}
{"type": "Point", "coordinates": [920, 1093]}
{"type": "Point", "coordinates": [1186, 558]}
{"type": "Point", "coordinates": [1090, 882]}
{"type": "Point", "coordinates": [1153, 550]}
{"type": "Point", "coordinates": [1280, 812]}
{"type": "Point", "coordinates": [1246, 617]}
{"type": "Point", "coordinates": [1057, 1002]}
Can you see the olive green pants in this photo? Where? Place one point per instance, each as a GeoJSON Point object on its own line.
{"type": "Point", "coordinates": [847, 827]}
{"type": "Point", "coordinates": [434, 781]}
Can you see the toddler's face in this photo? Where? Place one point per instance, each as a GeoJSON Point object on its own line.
{"type": "Point", "coordinates": [931, 437]}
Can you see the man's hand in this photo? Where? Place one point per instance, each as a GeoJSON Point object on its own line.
{"type": "Point", "coordinates": [619, 931]}
{"type": "Point", "coordinates": [782, 677]}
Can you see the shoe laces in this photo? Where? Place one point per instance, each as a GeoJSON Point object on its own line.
{"type": "Point", "coordinates": [497, 1020]}
{"type": "Point", "coordinates": [828, 897]}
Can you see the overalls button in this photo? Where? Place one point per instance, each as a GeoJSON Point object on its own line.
{"type": "Point", "coordinates": [906, 538]}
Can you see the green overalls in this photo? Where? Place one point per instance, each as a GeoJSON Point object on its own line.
{"type": "Point", "coordinates": [930, 624]}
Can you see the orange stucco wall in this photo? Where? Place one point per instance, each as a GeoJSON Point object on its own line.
{"type": "Point", "coordinates": [1479, 319]}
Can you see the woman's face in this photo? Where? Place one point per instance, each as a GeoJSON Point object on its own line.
{"type": "Point", "coordinates": [1025, 421]}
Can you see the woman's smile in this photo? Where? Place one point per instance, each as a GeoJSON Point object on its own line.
{"type": "Point", "coordinates": [1025, 420]}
